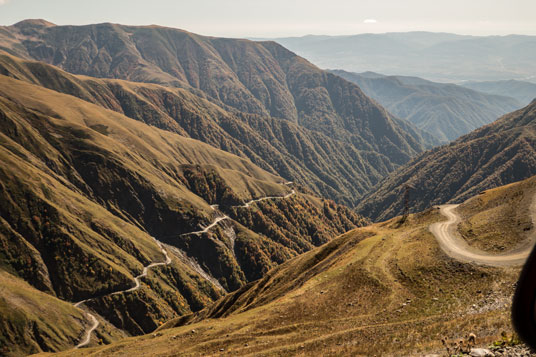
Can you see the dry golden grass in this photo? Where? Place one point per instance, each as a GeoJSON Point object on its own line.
{"type": "Point", "coordinates": [509, 207]}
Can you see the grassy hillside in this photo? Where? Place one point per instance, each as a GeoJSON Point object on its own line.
{"type": "Point", "coordinates": [511, 207]}
{"type": "Point", "coordinates": [33, 321]}
{"type": "Point", "coordinates": [447, 111]}
{"type": "Point", "coordinates": [494, 155]}
{"type": "Point", "coordinates": [384, 289]}
{"type": "Point", "coordinates": [300, 111]}
{"type": "Point", "coordinates": [84, 190]}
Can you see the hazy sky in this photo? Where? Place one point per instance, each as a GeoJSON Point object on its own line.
{"type": "Point", "coordinates": [271, 18]}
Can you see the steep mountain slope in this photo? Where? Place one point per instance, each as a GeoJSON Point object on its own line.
{"type": "Point", "coordinates": [386, 289]}
{"type": "Point", "coordinates": [83, 191]}
{"type": "Point", "coordinates": [524, 92]}
{"type": "Point", "coordinates": [260, 79]}
{"type": "Point", "coordinates": [441, 57]}
{"type": "Point", "coordinates": [494, 155]}
{"type": "Point", "coordinates": [326, 165]}
{"type": "Point", "coordinates": [445, 110]}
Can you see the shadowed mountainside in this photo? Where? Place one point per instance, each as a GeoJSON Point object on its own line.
{"type": "Point", "coordinates": [447, 111]}
{"type": "Point", "coordinates": [494, 155]}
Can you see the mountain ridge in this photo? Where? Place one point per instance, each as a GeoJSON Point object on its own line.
{"type": "Point", "coordinates": [447, 111]}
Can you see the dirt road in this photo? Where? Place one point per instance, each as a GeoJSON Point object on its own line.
{"type": "Point", "coordinates": [455, 247]}
{"type": "Point", "coordinates": [137, 284]}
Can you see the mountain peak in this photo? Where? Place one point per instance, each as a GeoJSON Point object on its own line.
{"type": "Point", "coordinates": [34, 23]}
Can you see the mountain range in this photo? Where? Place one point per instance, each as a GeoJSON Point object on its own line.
{"type": "Point", "coordinates": [524, 92]}
{"type": "Point", "coordinates": [260, 100]}
{"type": "Point", "coordinates": [447, 111]}
{"type": "Point", "coordinates": [440, 57]}
{"type": "Point", "coordinates": [114, 201]}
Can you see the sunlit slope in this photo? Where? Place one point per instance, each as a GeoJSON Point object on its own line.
{"type": "Point", "coordinates": [83, 191]}
{"type": "Point", "coordinates": [511, 207]}
{"type": "Point", "coordinates": [384, 289]}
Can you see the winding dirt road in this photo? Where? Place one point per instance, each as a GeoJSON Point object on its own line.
{"type": "Point", "coordinates": [249, 203]}
{"type": "Point", "coordinates": [95, 324]}
{"type": "Point", "coordinates": [455, 247]}
{"type": "Point", "coordinates": [245, 205]}
{"type": "Point", "coordinates": [137, 283]}
{"type": "Point", "coordinates": [207, 228]}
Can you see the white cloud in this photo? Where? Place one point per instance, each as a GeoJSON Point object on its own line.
{"type": "Point", "coordinates": [366, 21]}
{"type": "Point", "coordinates": [3, 2]}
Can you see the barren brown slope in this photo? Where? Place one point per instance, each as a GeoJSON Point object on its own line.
{"type": "Point", "coordinates": [83, 190]}
{"type": "Point", "coordinates": [255, 78]}
{"type": "Point", "coordinates": [387, 289]}
{"type": "Point", "coordinates": [494, 155]}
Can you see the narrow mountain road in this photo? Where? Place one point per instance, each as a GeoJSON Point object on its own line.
{"type": "Point", "coordinates": [95, 324]}
{"type": "Point", "coordinates": [137, 282]}
{"type": "Point", "coordinates": [455, 247]}
{"type": "Point", "coordinates": [137, 285]}
{"type": "Point", "coordinates": [249, 203]}
{"type": "Point", "coordinates": [207, 228]}
{"type": "Point", "coordinates": [245, 205]}
{"type": "Point", "coordinates": [146, 269]}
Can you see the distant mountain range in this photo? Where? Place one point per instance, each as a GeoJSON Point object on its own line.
{"type": "Point", "coordinates": [496, 154]}
{"type": "Point", "coordinates": [524, 92]}
{"type": "Point", "coordinates": [439, 57]}
{"type": "Point", "coordinates": [444, 110]}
